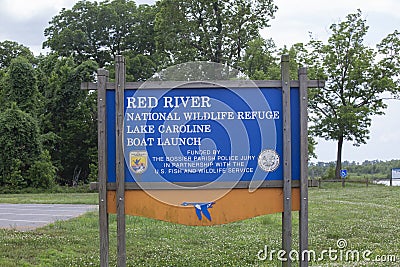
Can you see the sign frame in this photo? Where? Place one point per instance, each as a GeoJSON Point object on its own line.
{"type": "Point", "coordinates": [120, 186]}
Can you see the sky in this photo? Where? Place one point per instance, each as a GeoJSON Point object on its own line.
{"type": "Point", "coordinates": [24, 21]}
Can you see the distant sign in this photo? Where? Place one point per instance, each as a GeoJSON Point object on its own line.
{"type": "Point", "coordinates": [343, 173]}
{"type": "Point", "coordinates": [396, 173]}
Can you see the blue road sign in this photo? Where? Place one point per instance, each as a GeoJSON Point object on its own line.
{"type": "Point", "coordinates": [343, 173]}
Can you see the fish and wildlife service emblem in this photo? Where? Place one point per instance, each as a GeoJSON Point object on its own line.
{"type": "Point", "coordinates": [138, 161]}
{"type": "Point", "coordinates": [268, 160]}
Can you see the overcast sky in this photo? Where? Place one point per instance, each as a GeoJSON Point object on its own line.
{"type": "Point", "coordinates": [24, 21]}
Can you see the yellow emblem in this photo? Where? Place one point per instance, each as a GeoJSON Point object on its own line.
{"type": "Point", "coordinates": [138, 161]}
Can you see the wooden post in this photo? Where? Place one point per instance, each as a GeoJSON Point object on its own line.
{"type": "Point", "coordinates": [102, 78]}
{"type": "Point", "coordinates": [303, 220]}
{"type": "Point", "coordinates": [119, 158]}
{"type": "Point", "coordinates": [287, 158]}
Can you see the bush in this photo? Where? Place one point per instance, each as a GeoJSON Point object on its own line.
{"type": "Point", "coordinates": [329, 174]}
{"type": "Point", "coordinates": [14, 178]}
{"type": "Point", "coordinates": [20, 146]}
{"type": "Point", "coordinates": [42, 172]}
{"type": "Point", "coordinates": [23, 162]}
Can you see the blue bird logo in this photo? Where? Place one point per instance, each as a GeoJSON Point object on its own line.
{"type": "Point", "coordinates": [201, 208]}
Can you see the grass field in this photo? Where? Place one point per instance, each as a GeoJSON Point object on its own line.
{"type": "Point", "coordinates": [59, 198]}
{"type": "Point", "coordinates": [368, 219]}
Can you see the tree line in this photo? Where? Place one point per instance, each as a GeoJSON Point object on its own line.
{"type": "Point", "coordinates": [48, 125]}
{"type": "Point", "coordinates": [368, 168]}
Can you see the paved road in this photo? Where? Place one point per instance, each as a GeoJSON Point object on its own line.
{"type": "Point", "coordinates": [31, 216]}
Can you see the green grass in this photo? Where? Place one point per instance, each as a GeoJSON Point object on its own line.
{"type": "Point", "coordinates": [46, 198]}
{"type": "Point", "coordinates": [368, 218]}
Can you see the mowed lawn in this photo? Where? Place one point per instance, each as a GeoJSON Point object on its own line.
{"type": "Point", "coordinates": [365, 220]}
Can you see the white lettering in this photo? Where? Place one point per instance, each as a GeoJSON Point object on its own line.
{"type": "Point", "coordinates": [187, 101]}
{"type": "Point", "coordinates": [141, 102]}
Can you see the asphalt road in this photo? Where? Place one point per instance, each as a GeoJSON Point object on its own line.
{"type": "Point", "coordinates": [32, 216]}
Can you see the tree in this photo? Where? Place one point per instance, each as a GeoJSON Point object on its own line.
{"type": "Point", "coordinates": [75, 33]}
{"type": "Point", "coordinates": [100, 31]}
{"type": "Point", "coordinates": [69, 116]}
{"type": "Point", "coordinates": [139, 67]}
{"type": "Point", "coordinates": [355, 82]}
{"type": "Point", "coordinates": [22, 155]}
{"type": "Point", "coordinates": [217, 30]}
{"type": "Point", "coordinates": [10, 50]}
{"type": "Point", "coordinates": [20, 146]}
{"type": "Point", "coordinates": [389, 51]}
{"type": "Point", "coordinates": [260, 61]}
{"type": "Point", "coordinates": [23, 161]}
{"type": "Point", "coordinates": [20, 86]}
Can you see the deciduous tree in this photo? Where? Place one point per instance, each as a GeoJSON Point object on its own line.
{"type": "Point", "coordinates": [101, 30]}
{"type": "Point", "coordinates": [20, 86]}
{"type": "Point", "coordinates": [355, 83]}
{"type": "Point", "coordinates": [10, 50]}
{"type": "Point", "coordinates": [69, 116]}
{"type": "Point", "coordinates": [217, 30]}
{"type": "Point", "coordinates": [20, 146]}
{"type": "Point", "coordinates": [260, 60]}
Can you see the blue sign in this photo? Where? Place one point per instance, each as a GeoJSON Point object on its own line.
{"type": "Point", "coordinates": [343, 173]}
{"type": "Point", "coordinates": [203, 135]}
